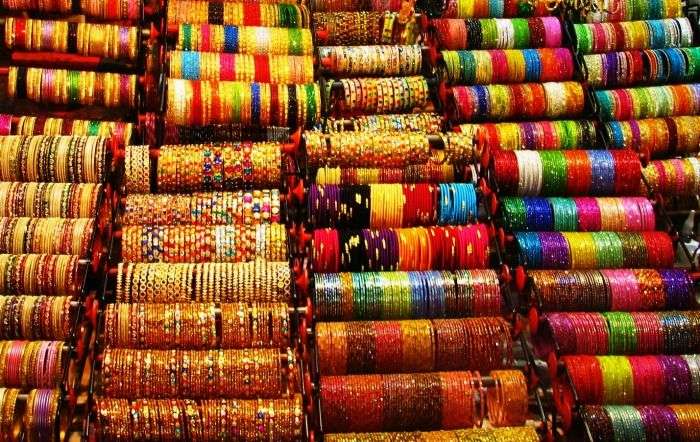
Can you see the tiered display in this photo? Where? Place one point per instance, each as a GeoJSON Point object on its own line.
{"type": "Point", "coordinates": [363, 220]}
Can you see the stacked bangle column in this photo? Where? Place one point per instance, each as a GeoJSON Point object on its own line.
{"type": "Point", "coordinates": [202, 321]}
{"type": "Point", "coordinates": [50, 188]}
{"type": "Point", "coordinates": [408, 334]}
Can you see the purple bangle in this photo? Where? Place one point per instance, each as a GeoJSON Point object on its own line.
{"type": "Point", "coordinates": [555, 250]}
{"type": "Point", "coordinates": [5, 124]}
{"type": "Point", "coordinates": [678, 287]}
{"type": "Point", "coordinates": [676, 378]}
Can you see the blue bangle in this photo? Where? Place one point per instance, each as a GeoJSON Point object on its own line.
{"type": "Point", "coordinates": [602, 172]}
{"type": "Point", "coordinates": [190, 65]}
{"type": "Point", "coordinates": [255, 103]}
{"type": "Point", "coordinates": [436, 308]}
{"type": "Point", "coordinates": [539, 215]}
{"type": "Point", "coordinates": [445, 206]}
{"type": "Point", "coordinates": [530, 249]}
{"type": "Point", "coordinates": [418, 301]}
{"type": "Point", "coordinates": [231, 39]}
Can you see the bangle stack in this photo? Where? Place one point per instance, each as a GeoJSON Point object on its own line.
{"type": "Point", "coordinates": [659, 137]}
{"type": "Point", "coordinates": [406, 295]}
{"type": "Point", "coordinates": [118, 131]}
{"type": "Point", "coordinates": [365, 28]}
{"type": "Point", "coordinates": [629, 214]}
{"type": "Point", "coordinates": [413, 346]}
{"type": "Point", "coordinates": [572, 172]}
{"type": "Point", "coordinates": [619, 333]}
{"type": "Point", "coordinates": [651, 34]}
{"type": "Point", "coordinates": [392, 205]}
{"type": "Point", "coordinates": [90, 39]}
{"type": "Point", "coordinates": [596, 250]}
{"type": "Point", "coordinates": [536, 135]}
{"type": "Point", "coordinates": [497, 33]}
{"type": "Point", "coordinates": [250, 40]}
{"type": "Point", "coordinates": [504, 434]}
{"type": "Point", "coordinates": [272, 14]}
{"type": "Point", "coordinates": [196, 325]}
{"type": "Point", "coordinates": [202, 420]}
{"type": "Point", "coordinates": [638, 380]}
{"type": "Point", "coordinates": [679, 422]}
{"type": "Point", "coordinates": [58, 200]}
{"type": "Point", "coordinates": [200, 244]}
{"type": "Point", "coordinates": [405, 402]}
{"type": "Point", "coordinates": [674, 176]}
{"type": "Point", "coordinates": [417, 248]}
{"type": "Point", "coordinates": [617, 290]}
{"type": "Point", "coordinates": [61, 86]}
{"type": "Point", "coordinates": [46, 235]}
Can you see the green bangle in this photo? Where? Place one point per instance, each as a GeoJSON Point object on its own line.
{"type": "Point", "coordinates": [583, 38]}
{"type": "Point", "coordinates": [553, 172]}
{"type": "Point", "coordinates": [186, 37]}
{"type": "Point", "coordinates": [521, 33]}
{"type": "Point", "coordinates": [73, 87]}
{"type": "Point", "coordinates": [294, 42]}
{"type": "Point", "coordinates": [608, 250]}
{"type": "Point", "coordinates": [514, 213]}
{"type": "Point", "coordinates": [237, 91]}
{"type": "Point", "coordinates": [565, 214]}
{"type": "Point", "coordinates": [93, 127]}
{"type": "Point", "coordinates": [489, 33]}
{"type": "Point", "coordinates": [622, 333]}
{"type": "Point", "coordinates": [311, 107]}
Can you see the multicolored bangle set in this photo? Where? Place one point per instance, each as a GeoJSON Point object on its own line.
{"type": "Point", "coordinates": [659, 137]}
{"type": "Point", "coordinates": [272, 69]}
{"type": "Point", "coordinates": [114, 10]}
{"type": "Point", "coordinates": [649, 102]}
{"type": "Point", "coordinates": [619, 333]}
{"type": "Point", "coordinates": [200, 244]}
{"type": "Point", "coordinates": [39, 274]}
{"type": "Point", "coordinates": [639, 380]}
{"type": "Point", "coordinates": [429, 123]}
{"type": "Point", "coordinates": [36, 317]}
{"type": "Point", "coordinates": [508, 65]}
{"type": "Point", "coordinates": [392, 205]}
{"type": "Point", "coordinates": [203, 208]}
{"type": "Point", "coordinates": [396, 402]}
{"type": "Point", "coordinates": [61, 86]}
{"type": "Point", "coordinates": [674, 176]}
{"type": "Point", "coordinates": [269, 14]}
{"type": "Point", "coordinates": [417, 248]}
{"type": "Point", "coordinates": [365, 28]}
{"type": "Point", "coordinates": [61, 158]}
{"type": "Point", "coordinates": [413, 346]}
{"type": "Point", "coordinates": [535, 135]}
{"type": "Point", "coordinates": [406, 295]}
{"type": "Point", "coordinates": [60, 200]}
{"type": "Point", "coordinates": [628, 35]}
{"type": "Point", "coordinates": [90, 39]}
{"type": "Point", "coordinates": [677, 422]}
{"type": "Point", "coordinates": [250, 40]}
{"type": "Point", "coordinates": [526, 101]}
{"type": "Point", "coordinates": [204, 102]}
{"type": "Point", "coordinates": [588, 214]}
{"type": "Point", "coordinates": [613, 289]}
{"type": "Point", "coordinates": [640, 67]}
{"type": "Point", "coordinates": [118, 132]}
{"type": "Point", "coordinates": [497, 33]}
{"type": "Point", "coordinates": [621, 11]}
{"type": "Point", "coordinates": [570, 172]}
{"type": "Point", "coordinates": [46, 235]}
{"type": "Point", "coordinates": [596, 250]}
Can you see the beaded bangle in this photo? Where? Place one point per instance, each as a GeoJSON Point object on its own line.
{"type": "Point", "coordinates": [364, 28]}
{"type": "Point", "coordinates": [255, 281]}
{"type": "Point", "coordinates": [49, 199]}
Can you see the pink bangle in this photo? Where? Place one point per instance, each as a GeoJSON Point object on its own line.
{"type": "Point", "coordinates": [5, 124]}
{"type": "Point", "coordinates": [588, 214]}
{"type": "Point", "coordinates": [552, 32]}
